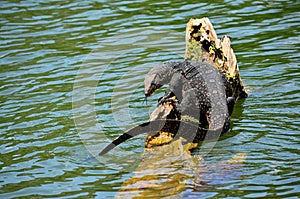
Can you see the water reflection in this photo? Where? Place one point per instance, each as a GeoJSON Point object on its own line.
{"type": "Point", "coordinates": [171, 171]}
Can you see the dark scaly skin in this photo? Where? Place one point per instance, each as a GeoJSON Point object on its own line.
{"type": "Point", "coordinates": [202, 90]}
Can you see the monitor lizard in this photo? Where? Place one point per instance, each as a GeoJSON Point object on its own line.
{"type": "Point", "coordinates": [202, 92]}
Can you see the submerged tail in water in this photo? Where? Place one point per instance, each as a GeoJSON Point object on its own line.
{"type": "Point", "coordinates": [154, 127]}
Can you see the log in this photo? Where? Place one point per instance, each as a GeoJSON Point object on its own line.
{"type": "Point", "coordinates": [202, 44]}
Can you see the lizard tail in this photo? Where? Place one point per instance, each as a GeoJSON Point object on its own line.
{"type": "Point", "coordinates": [147, 127]}
{"type": "Point", "coordinates": [150, 128]}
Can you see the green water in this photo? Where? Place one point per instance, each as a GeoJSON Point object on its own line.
{"type": "Point", "coordinates": [71, 80]}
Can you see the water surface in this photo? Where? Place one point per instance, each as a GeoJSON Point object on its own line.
{"type": "Point", "coordinates": [71, 80]}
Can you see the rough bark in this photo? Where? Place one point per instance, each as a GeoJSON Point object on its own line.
{"type": "Point", "coordinates": [202, 44]}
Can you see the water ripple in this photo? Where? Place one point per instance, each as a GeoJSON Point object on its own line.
{"type": "Point", "coordinates": [46, 46]}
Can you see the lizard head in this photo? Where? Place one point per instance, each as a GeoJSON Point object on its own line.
{"type": "Point", "coordinates": [156, 78]}
{"type": "Point", "coordinates": [150, 86]}
{"type": "Point", "coordinates": [152, 82]}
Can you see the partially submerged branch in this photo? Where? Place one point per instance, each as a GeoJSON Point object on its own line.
{"type": "Point", "coordinates": [202, 44]}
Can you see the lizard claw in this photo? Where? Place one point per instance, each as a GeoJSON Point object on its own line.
{"type": "Point", "coordinates": [162, 100]}
{"type": "Point", "coordinates": [166, 98]}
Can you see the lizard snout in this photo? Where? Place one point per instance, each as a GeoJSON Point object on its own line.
{"type": "Point", "coordinates": [147, 94]}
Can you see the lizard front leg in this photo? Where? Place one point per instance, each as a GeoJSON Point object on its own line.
{"type": "Point", "coordinates": [166, 97]}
